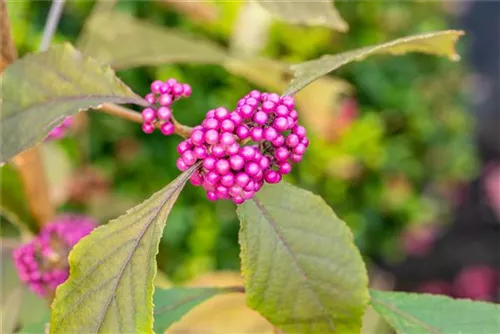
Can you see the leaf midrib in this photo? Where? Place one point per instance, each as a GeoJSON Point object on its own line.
{"type": "Point", "coordinates": [295, 261]}
{"type": "Point", "coordinates": [134, 248]}
{"type": "Point", "coordinates": [407, 316]}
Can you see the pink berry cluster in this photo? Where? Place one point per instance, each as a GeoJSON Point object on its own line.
{"type": "Point", "coordinates": [161, 97]}
{"type": "Point", "coordinates": [476, 282]}
{"type": "Point", "coordinates": [59, 131]}
{"type": "Point", "coordinates": [242, 149]}
{"type": "Point", "coordinates": [43, 262]}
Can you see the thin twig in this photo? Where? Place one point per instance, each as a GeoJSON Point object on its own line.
{"type": "Point", "coordinates": [131, 115]}
{"type": "Point", "coordinates": [8, 49]}
{"type": "Point", "coordinates": [51, 23]}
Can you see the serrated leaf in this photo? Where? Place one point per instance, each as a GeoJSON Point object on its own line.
{"type": "Point", "coordinates": [152, 44]}
{"type": "Point", "coordinates": [110, 288]}
{"type": "Point", "coordinates": [301, 268]}
{"type": "Point", "coordinates": [412, 313]}
{"type": "Point", "coordinates": [172, 304]}
{"type": "Point", "coordinates": [311, 13]}
{"type": "Point", "coordinates": [441, 43]}
{"type": "Point", "coordinates": [41, 89]}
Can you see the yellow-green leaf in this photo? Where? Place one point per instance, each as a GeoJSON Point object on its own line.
{"type": "Point", "coordinates": [110, 288]}
{"type": "Point", "coordinates": [41, 89]}
{"type": "Point", "coordinates": [146, 43]}
{"type": "Point", "coordinates": [412, 313]}
{"type": "Point", "coordinates": [441, 43]}
{"type": "Point", "coordinates": [302, 270]}
{"type": "Point", "coordinates": [312, 13]}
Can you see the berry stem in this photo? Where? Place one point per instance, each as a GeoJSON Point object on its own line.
{"type": "Point", "coordinates": [131, 115]}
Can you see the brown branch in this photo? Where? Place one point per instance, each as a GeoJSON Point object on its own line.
{"type": "Point", "coordinates": [131, 115]}
{"type": "Point", "coordinates": [29, 163]}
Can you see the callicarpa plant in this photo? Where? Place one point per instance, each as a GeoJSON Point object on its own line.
{"type": "Point", "coordinates": [301, 269]}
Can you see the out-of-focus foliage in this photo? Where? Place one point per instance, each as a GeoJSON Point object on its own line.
{"type": "Point", "coordinates": [389, 161]}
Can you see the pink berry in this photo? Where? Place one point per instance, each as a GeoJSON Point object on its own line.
{"type": "Point", "coordinates": [150, 98]}
{"type": "Point", "coordinates": [183, 146]}
{"type": "Point", "coordinates": [238, 200]}
{"type": "Point", "coordinates": [212, 137]}
{"type": "Point", "coordinates": [251, 102]}
{"type": "Point", "coordinates": [285, 168]}
{"type": "Point", "coordinates": [186, 92]}
{"type": "Point", "coordinates": [212, 177]}
{"type": "Point", "coordinates": [222, 192]}
{"type": "Point", "coordinates": [256, 134]}
{"type": "Point", "coordinates": [148, 128]}
{"type": "Point", "coordinates": [264, 163]}
{"type": "Point", "coordinates": [236, 162]}
{"type": "Point", "coordinates": [270, 134]}
{"type": "Point", "coordinates": [227, 125]}
{"type": "Point", "coordinates": [222, 166]}
{"type": "Point", "coordinates": [197, 137]}
{"type": "Point", "coordinates": [165, 100]}
{"type": "Point", "coordinates": [280, 124]}
{"type": "Point", "coordinates": [268, 106]}
{"type": "Point", "coordinates": [221, 113]}
{"type": "Point", "coordinates": [255, 94]}
{"type": "Point", "coordinates": [196, 179]}
{"type": "Point", "coordinates": [242, 132]}
{"type": "Point", "coordinates": [165, 88]}
{"type": "Point", "coordinates": [300, 131]}
{"type": "Point", "coordinates": [279, 141]}
{"type": "Point", "coordinates": [235, 118]}
{"type": "Point", "coordinates": [282, 111]}
{"type": "Point", "coordinates": [272, 177]}
{"type": "Point", "coordinates": [252, 169]}
{"type": "Point", "coordinates": [200, 152]}
{"type": "Point", "coordinates": [164, 113]}
{"type": "Point", "coordinates": [299, 149]}
{"type": "Point", "coordinates": [211, 123]}
{"type": "Point", "coordinates": [288, 101]}
{"type": "Point", "coordinates": [177, 89]}
{"type": "Point", "coordinates": [218, 151]}
{"type": "Point", "coordinates": [148, 115]}
{"type": "Point", "coordinates": [155, 86]}
{"type": "Point", "coordinates": [296, 157]}
{"type": "Point", "coordinates": [292, 140]}
{"type": "Point", "coordinates": [246, 111]}
{"type": "Point", "coordinates": [227, 180]}
{"type": "Point", "coordinates": [242, 179]}
{"type": "Point", "coordinates": [282, 153]}
{"type": "Point", "coordinates": [233, 149]}
{"type": "Point", "coordinates": [211, 196]}
{"type": "Point", "coordinates": [260, 117]}
{"type": "Point", "coordinates": [227, 139]}
{"type": "Point", "coordinates": [189, 158]}
{"type": "Point", "coordinates": [209, 163]}
{"type": "Point", "coordinates": [247, 152]}
{"type": "Point", "coordinates": [167, 128]}
{"type": "Point", "coordinates": [181, 165]}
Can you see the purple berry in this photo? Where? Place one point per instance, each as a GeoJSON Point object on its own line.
{"type": "Point", "coordinates": [227, 180]}
{"type": "Point", "coordinates": [218, 151]}
{"type": "Point", "coordinates": [264, 163]}
{"type": "Point", "coordinates": [181, 165]}
{"type": "Point", "coordinates": [247, 152]}
{"type": "Point", "coordinates": [270, 134]}
{"type": "Point", "coordinates": [200, 152]}
{"type": "Point", "coordinates": [212, 177]}
{"type": "Point", "coordinates": [186, 90]}
{"type": "Point", "coordinates": [197, 137]}
{"type": "Point", "coordinates": [300, 131]}
{"type": "Point", "coordinates": [295, 157]}
{"type": "Point", "coordinates": [235, 118]}
{"type": "Point", "coordinates": [242, 179]}
{"type": "Point", "coordinates": [282, 153]}
{"type": "Point", "coordinates": [233, 149]}
{"type": "Point", "coordinates": [299, 149]}
{"type": "Point", "coordinates": [227, 139]}
{"type": "Point", "coordinates": [282, 111]}
{"type": "Point", "coordinates": [183, 146]}
{"type": "Point", "coordinates": [177, 89]}
{"type": "Point", "coordinates": [246, 111]}
{"type": "Point", "coordinates": [211, 196]}
{"type": "Point", "coordinates": [252, 102]}
{"type": "Point", "coordinates": [189, 158]}
{"type": "Point", "coordinates": [268, 106]}
{"type": "Point", "coordinates": [221, 113]}
{"type": "Point", "coordinates": [252, 169]}
{"type": "Point", "coordinates": [280, 124]}
{"type": "Point", "coordinates": [211, 123]}
{"type": "Point", "coordinates": [196, 179]}
{"type": "Point", "coordinates": [279, 141]}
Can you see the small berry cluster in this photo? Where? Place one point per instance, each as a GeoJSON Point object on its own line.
{"type": "Point", "coordinates": [59, 131]}
{"type": "Point", "coordinates": [43, 262]}
{"type": "Point", "coordinates": [232, 170]}
{"type": "Point", "coordinates": [162, 95]}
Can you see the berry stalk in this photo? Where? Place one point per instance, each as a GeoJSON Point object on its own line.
{"type": "Point", "coordinates": [133, 116]}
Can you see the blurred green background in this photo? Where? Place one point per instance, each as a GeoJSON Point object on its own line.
{"type": "Point", "coordinates": [398, 147]}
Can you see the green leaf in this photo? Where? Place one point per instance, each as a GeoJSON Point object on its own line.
{"type": "Point", "coordinates": [312, 13]}
{"type": "Point", "coordinates": [172, 304]}
{"type": "Point", "coordinates": [440, 43]}
{"type": "Point", "coordinates": [412, 313]}
{"type": "Point", "coordinates": [151, 44]}
{"type": "Point", "coordinates": [41, 89]}
{"type": "Point", "coordinates": [302, 270]}
{"type": "Point", "coordinates": [110, 288]}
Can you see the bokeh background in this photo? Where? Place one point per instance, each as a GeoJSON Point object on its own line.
{"type": "Point", "coordinates": [410, 158]}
